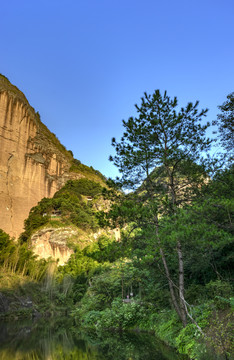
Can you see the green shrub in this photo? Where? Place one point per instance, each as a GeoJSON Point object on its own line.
{"type": "Point", "coordinates": [167, 326]}
{"type": "Point", "coordinates": [220, 292]}
{"type": "Point", "coordinates": [187, 342]}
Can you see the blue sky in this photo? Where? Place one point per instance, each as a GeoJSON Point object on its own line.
{"type": "Point", "coordinates": [84, 64]}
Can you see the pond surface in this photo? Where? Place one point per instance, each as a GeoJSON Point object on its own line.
{"type": "Point", "coordinates": [60, 340]}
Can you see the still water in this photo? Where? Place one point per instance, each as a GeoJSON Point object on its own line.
{"type": "Point", "coordinates": [60, 340]}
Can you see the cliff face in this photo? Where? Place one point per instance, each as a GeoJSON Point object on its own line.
{"type": "Point", "coordinates": [52, 243]}
{"type": "Point", "coordinates": [33, 164]}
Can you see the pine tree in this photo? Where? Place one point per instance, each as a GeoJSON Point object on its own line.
{"type": "Point", "coordinates": [160, 150]}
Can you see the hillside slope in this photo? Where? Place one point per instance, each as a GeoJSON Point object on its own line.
{"type": "Point", "coordinates": [33, 163]}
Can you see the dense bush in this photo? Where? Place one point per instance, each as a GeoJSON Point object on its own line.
{"type": "Point", "coordinates": [81, 187]}
{"type": "Point", "coordinates": [69, 206]}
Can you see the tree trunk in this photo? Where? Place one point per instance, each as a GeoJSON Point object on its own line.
{"type": "Point", "coordinates": [181, 284]}
{"type": "Point", "coordinates": [170, 282]}
{"type": "Point", "coordinates": [171, 287]}
{"type": "Point", "coordinates": [182, 304]}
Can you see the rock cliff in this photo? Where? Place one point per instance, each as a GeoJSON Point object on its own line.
{"type": "Point", "coordinates": [33, 163]}
{"type": "Point", "coordinates": [52, 243]}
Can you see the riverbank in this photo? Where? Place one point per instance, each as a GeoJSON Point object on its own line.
{"type": "Point", "coordinates": [57, 340]}
{"type": "Point", "coordinates": [216, 343]}
{"type": "Point", "coordinates": [22, 298]}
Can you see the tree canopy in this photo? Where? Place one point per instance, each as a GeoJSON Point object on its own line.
{"type": "Point", "coordinates": [159, 135]}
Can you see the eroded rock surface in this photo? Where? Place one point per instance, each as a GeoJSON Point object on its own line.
{"type": "Point", "coordinates": [33, 164]}
{"type": "Point", "coordinates": [52, 243]}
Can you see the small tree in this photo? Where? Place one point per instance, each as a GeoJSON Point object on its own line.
{"type": "Point", "coordinates": [172, 143]}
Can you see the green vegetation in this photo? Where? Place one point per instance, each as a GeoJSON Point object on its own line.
{"type": "Point", "coordinates": [172, 271]}
{"type": "Point", "coordinates": [17, 259]}
{"type": "Point", "coordinates": [88, 171]}
{"type": "Point", "coordinates": [68, 206]}
{"type": "Point", "coordinates": [23, 276]}
{"type": "Point", "coordinates": [207, 245]}
{"type": "Point", "coordinates": [24, 282]}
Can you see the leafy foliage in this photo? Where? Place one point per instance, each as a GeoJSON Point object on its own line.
{"type": "Point", "coordinates": [69, 206]}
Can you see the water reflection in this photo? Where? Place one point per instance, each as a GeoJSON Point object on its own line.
{"type": "Point", "coordinates": [39, 341]}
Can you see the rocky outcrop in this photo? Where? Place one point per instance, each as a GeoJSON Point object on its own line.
{"type": "Point", "coordinates": [52, 243]}
{"type": "Point", "coordinates": [33, 163]}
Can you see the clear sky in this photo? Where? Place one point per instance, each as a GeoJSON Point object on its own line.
{"type": "Point", "coordinates": [84, 64]}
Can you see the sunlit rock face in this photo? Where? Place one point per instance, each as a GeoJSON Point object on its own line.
{"type": "Point", "coordinates": [52, 243]}
{"type": "Point", "coordinates": [32, 164]}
